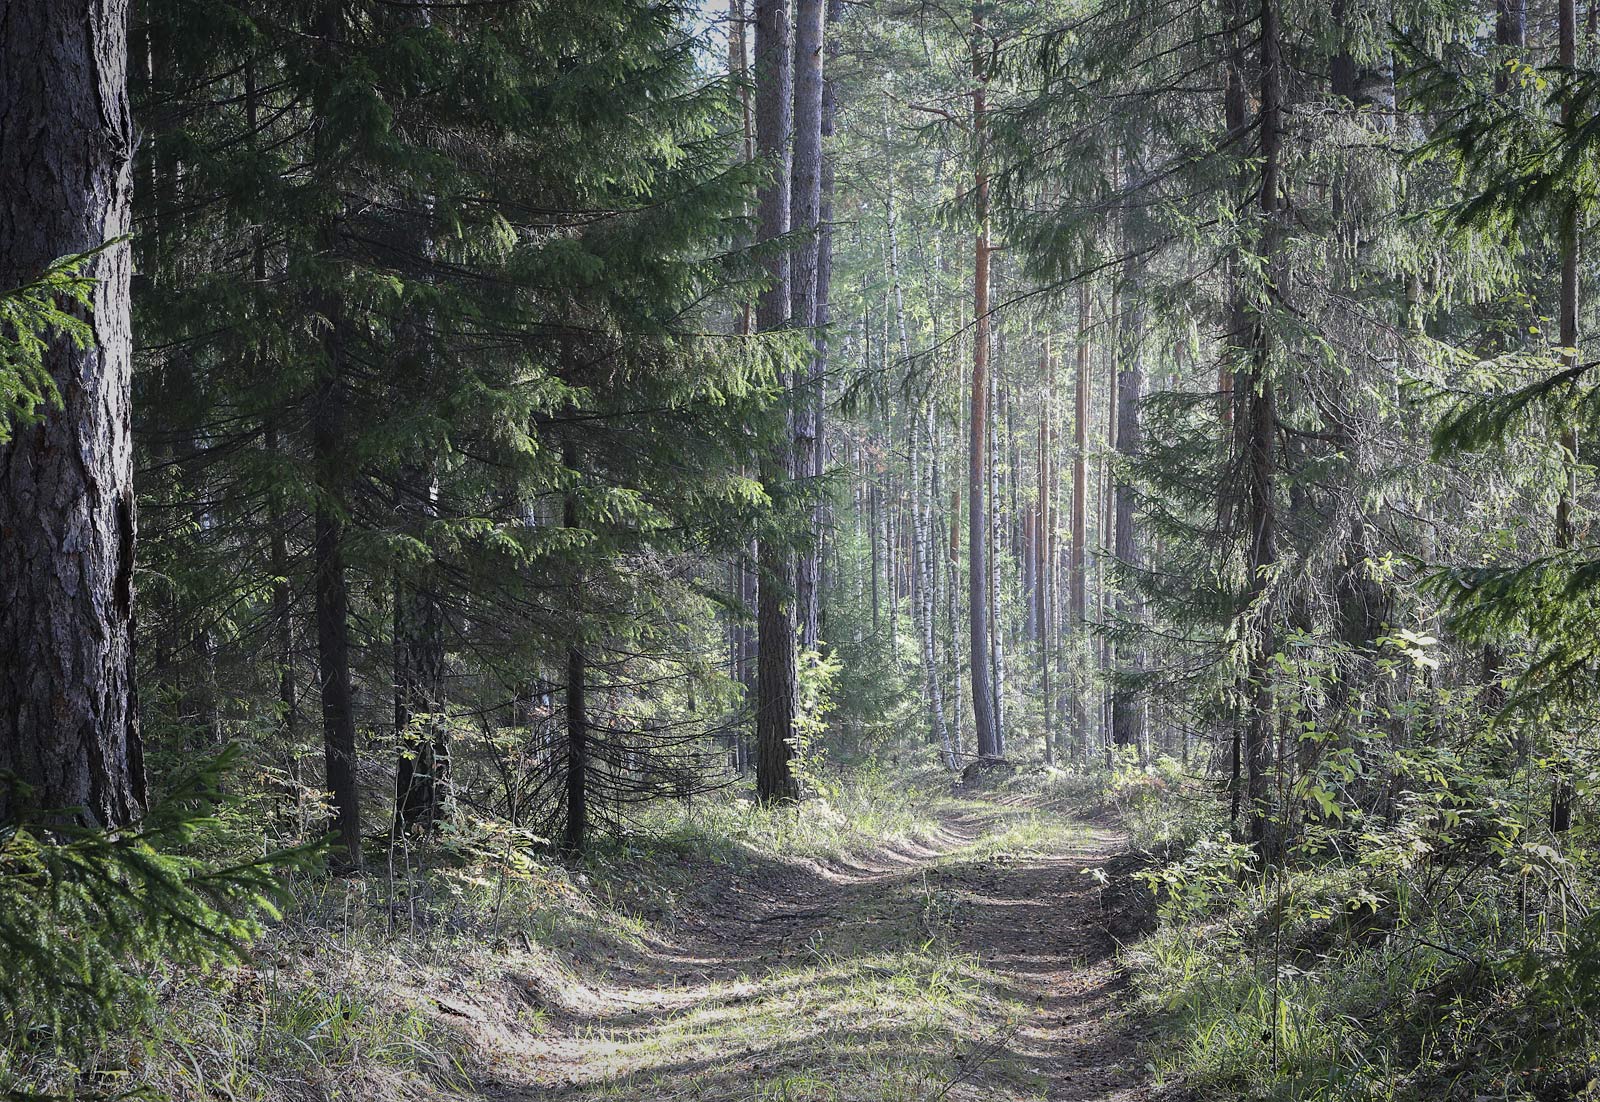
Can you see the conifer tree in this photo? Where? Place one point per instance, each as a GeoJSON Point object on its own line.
{"type": "Point", "coordinates": [69, 720]}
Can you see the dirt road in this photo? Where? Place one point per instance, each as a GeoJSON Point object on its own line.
{"type": "Point", "coordinates": [976, 963]}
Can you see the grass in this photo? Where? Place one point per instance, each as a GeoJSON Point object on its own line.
{"type": "Point", "coordinates": [1353, 976]}
{"type": "Point", "coordinates": [480, 967]}
{"type": "Point", "coordinates": [844, 818]}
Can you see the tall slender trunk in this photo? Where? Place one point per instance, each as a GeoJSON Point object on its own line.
{"type": "Point", "coordinates": [1510, 33]}
{"type": "Point", "coordinates": [1107, 506]}
{"type": "Point", "coordinates": [1041, 553]}
{"type": "Point", "coordinates": [422, 770]}
{"type": "Point", "coordinates": [1127, 704]}
{"type": "Point", "coordinates": [923, 602]}
{"type": "Point", "coordinates": [332, 589]}
{"type": "Point", "coordinates": [997, 670]}
{"type": "Point", "coordinates": [1562, 794]}
{"type": "Point", "coordinates": [988, 734]}
{"type": "Point", "coordinates": [805, 204]}
{"type": "Point", "coordinates": [821, 521]}
{"type": "Point", "coordinates": [1078, 602]}
{"type": "Point", "coordinates": [277, 520]}
{"type": "Point", "coordinates": [283, 612]}
{"type": "Point", "coordinates": [1261, 430]}
{"type": "Point", "coordinates": [1238, 334]}
{"type": "Point", "coordinates": [775, 660]}
{"type": "Point", "coordinates": [1077, 584]}
{"type": "Point", "coordinates": [575, 824]}
{"type": "Point", "coordinates": [69, 718]}
{"type": "Point", "coordinates": [873, 501]}
{"type": "Point", "coordinates": [952, 591]}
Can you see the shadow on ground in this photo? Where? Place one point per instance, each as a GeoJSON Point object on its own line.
{"type": "Point", "coordinates": [940, 969]}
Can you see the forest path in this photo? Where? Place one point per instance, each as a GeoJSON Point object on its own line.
{"type": "Point", "coordinates": [976, 963]}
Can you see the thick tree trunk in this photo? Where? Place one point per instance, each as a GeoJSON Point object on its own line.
{"type": "Point", "coordinates": [69, 722]}
{"type": "Point", "coordinates": [775, 658]}
{"type": "Point", "coordinates": [988, 734]}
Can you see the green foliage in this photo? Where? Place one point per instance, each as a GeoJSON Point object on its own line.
{"type": "Point", "coordinates": [91, 920]}
{"type": "Point", "coordinates": [32, 317]}
{"type": "Point", "coordinates": [1422, 924]}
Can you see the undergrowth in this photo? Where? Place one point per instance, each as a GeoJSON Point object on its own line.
{"type": "Point", "coordinates": [1433, 941]}
{"type": "Point", "coordinates": [448, 962]}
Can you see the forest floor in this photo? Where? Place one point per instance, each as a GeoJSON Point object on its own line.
{"type": "Point", "coordinates": [975, 961]}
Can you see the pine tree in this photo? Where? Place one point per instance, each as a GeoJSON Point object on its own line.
{"type": "Point", "coordinates": [70, 731]}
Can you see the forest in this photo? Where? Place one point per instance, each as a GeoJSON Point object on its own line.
{"type": "Point", "coordinates": [799, 550]}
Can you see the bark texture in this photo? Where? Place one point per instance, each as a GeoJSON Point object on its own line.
{"type": "Point", "coordinates": [775, 650]}
{"type": "Point", "coordinates": [69, 725]}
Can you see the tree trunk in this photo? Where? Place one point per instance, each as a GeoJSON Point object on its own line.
{"type": "Point", "coordinates": [332, 591]}
{"type": "Point", "coordinates": [422, 771]}
{"type": "Point", "coordinates": [1107, 518]}
{"type": "Point", "coordinates": [283, 613]}
{"type": "Point", "coordinates": [1041, 553]}
{"type": "Point", "coordinates": [1078, 601]}
{"type": "Point", "coordinates": [821, 523]}
{"type": "Point", "coordinates": [922, 597]}
{"type": "Point", "coordinates": [1562, 794]}
{"type": "Point", "coordinates": [775, 658]}
{"type": "Point", "coordinates": [69, 720]}
{"type": "Point", "coordinates": [1510, 33]}
{"type": "Point", "coordinates": [997, 670]}
{"type": "Point", "coordinates": [1261, 430]}
{"type": "Point", "coordinates": [1127, 707]}
{"type": "Point", "coordinates": [1237, 336]}
{"type": "Point", "coordinates": [805, 203]}
{"type": "Point", "coordinates": [988, 735]}
{"type": "Point", "coordinates": [575, 824]}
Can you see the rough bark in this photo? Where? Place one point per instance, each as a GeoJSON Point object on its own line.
{"type": "Point", "coordinates": [775, 650]}
{"type": "Point", "coordinates": [69, 721]}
